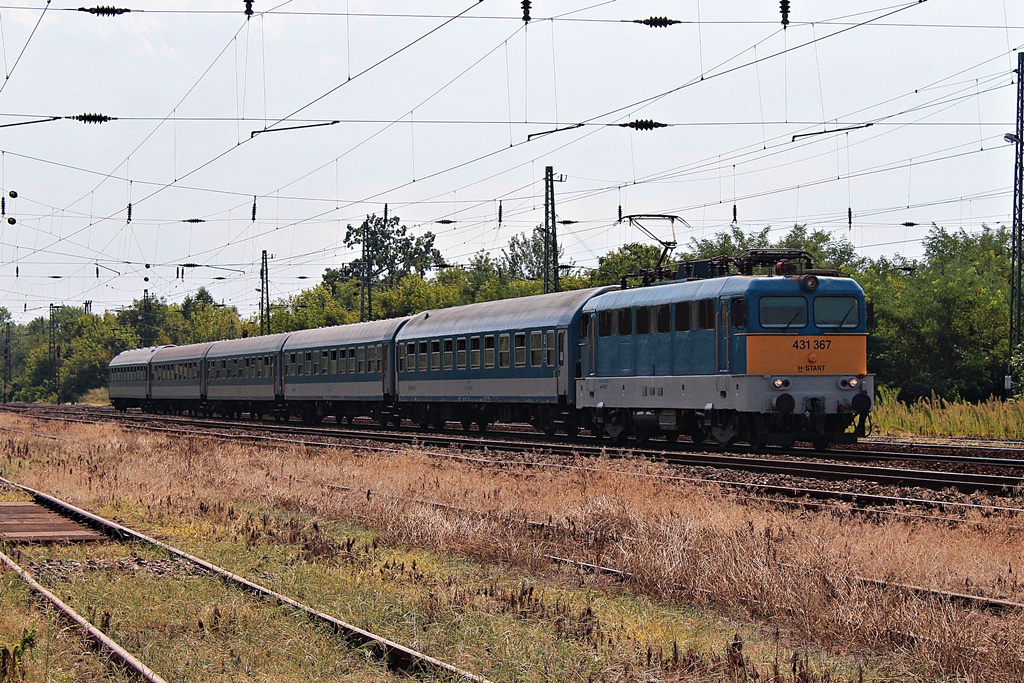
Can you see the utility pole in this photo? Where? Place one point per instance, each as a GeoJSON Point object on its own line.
{"type": "Point", "coordinates": [55, 350]}
{"type": "Point", "coordinates": [1017, 243]}
{"type": "Point", "coordinates": [7, 359]}
{"type": "Point", "coordinates": [147, 331]}
{"type": "Point", "coordinates": [264, 295]}
{"type": "Point", "coordinates": [551, 283]}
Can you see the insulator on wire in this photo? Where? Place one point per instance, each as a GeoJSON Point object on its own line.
{"type": "Point", "coordinates": [3, 206]}
{"type": "Point", "coordinates": [643, 124]}
{"type": "Point", "coordinates": [849, 217]}
{"type": "Point", "coordinates": [104, 11]}
{"type": "Point", "coordinates": [910, 224]}
{"type": "Point", "coordinates": [526, 10]}
{"type": "Point", "coordinates": [97, 272]}
{"type": "Point", "coordinates": [17, 271]}
{"type": "Point", "coordinates": [445, 221]}
{"type": "Point", "coordinates": [657, 22]}
{"type": "Point", "coordinates": [92, 118]}
{"type": "Point", "coordinates": [194, 220]}
{"type": "Point", "coordinates": [784, 6]}
{"type": "Point", "coordinates": [499, 213]}
{"type": "Point", "coordinates": [129, 212]}
{"type": "Point", "coordinates": [734, 213]}
{"type": "Point", "coordinates": [253, 209]}
{"type": "Point", "coordinates": [248, 9]}
{"type": "Point", "coordinates": [620, 213]}
{"type": "Point", "coordinates": [385, 213]}
{"type": "Point", "coordinates": [568, 221]}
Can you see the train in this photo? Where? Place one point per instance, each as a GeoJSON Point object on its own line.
{"type": "Point", "coordinates": [762, 348]}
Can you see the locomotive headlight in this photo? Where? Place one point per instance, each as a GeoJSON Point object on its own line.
{"type": "Point", "coordinates": [854, 382]}
{"type": "Point", "coordinates": [780, 383]}
{"type": "Point", "coordinates": [848, 383]}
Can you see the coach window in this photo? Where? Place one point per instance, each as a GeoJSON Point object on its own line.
{"type": "Point", "coordinates": [447, 354]}
{"type": "Point", "coordinates": [625, 317]}
{"type": "Point", "coordinates": [410, 357]}
{"type": "Point", "coordinates": [351, 361]}
{"type": "Point", "coordinates": [489, 351]}
{"type": "Point", "coordinates": [460, 353]}
{"type": "Point", "coordinates": [424, 358]}
{"type": "Point", "coordinates": [503, 351]}
{"type": "Point", "coordinates": [536, 349]}
{"type": "Point", "coordinates": [706, 315]}
{"type": "Point", "coordinates": [334, 361]}
{"type": "Point", "coordinates": [371, 358]}
{"type": "Point", "coordinates": [520, 349]}
{"type": "Point", "coordinates": [739, 312]}
{"type": "Point", "coordinates": [474, 353]}
{"type": "Point", "coordinates": [682, 316]}
{"type": "Point", "coordinates": [435, 354]}
{"type": "Point", "coordinates": [782, 311]}
{"type": "Point", "coordinates": [550, 349]}
{"type": "Point", "coordinates": [643, 320]}
{"type": "Point", "coordinates": [361, 359]}
{"type": "Point", "coordinates": [604, 323]}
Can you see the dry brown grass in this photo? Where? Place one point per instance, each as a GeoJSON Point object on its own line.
{"type": "Point", "coordinates": [795, 572]}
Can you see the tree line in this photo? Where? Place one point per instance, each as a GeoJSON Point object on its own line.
{"type": "Point", "coordinates": [942, 320]}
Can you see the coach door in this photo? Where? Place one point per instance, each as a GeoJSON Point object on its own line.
{"type": "Point", "coordinates": [722, 333]}
{"type": "Point", "coordinates": [562, 374]}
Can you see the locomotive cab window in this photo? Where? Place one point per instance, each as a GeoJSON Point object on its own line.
{"type": "Point", "coordinates": [836, 312]}
{"type": "Point", "coordinates": [786, 312]}
{"type": "Point", "coordinates": [604, 323]}
{"type": "Point", "coordinates": [739, 312]}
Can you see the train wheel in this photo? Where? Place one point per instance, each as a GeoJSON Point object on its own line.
{"type": "Point", "coordinates": [482, 425]}
{"type": "Point", "coordinates": [467, 425]}
{"type": "Point", "coordinates": [821, 443]}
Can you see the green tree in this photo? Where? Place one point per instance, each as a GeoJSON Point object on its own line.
{"type": "Point", "coordinates": [943, 321]}
{"type": "Point", "coordinates": [391, 251]}
{"type": "Point", "coordinates": [629, 258]}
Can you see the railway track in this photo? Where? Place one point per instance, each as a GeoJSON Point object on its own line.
{"type": "Point", "coordinates": [1008, 482]}
{"type": "Point", "coordinates": [396, 655]}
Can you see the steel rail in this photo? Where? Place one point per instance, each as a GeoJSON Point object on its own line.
{"type": "Point", "coordinates": [788, 491]}
{"type": "Point", "coordinates": [992, 604]}
{"type": "Point", "coordinates": [122, 655]}
{"type": "Point", "coordinates": [395, 654]}
{"type": "Point", "coordinates": [369, 430]}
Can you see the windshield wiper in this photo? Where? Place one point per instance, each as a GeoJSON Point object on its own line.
{"type": "Point", "coordinates": [848, 312]}
{"type": "Point", "coordinates": [795, 316]}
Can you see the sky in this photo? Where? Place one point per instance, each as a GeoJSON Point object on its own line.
{"type": "Point", "coordinates": [322, 112]}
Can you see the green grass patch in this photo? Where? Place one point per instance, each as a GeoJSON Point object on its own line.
{"type": "Point", "coordinates": [935, 416]}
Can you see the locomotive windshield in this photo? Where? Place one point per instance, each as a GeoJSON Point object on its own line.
{"type": "Point", "coordinates": [836, 311]}
{"type": "Point", "coordinates": [783, 311]}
